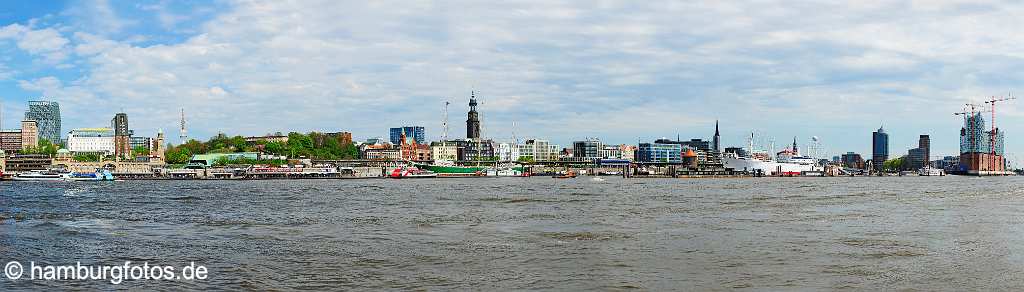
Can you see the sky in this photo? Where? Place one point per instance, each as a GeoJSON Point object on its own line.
{"type": "Point", "coordinates": [621, 71]}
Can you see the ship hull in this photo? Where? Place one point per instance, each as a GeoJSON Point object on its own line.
{"type": "Point", "coordinates": [452, 169]}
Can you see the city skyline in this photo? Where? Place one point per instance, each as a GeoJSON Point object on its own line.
{"type": "Point", "coordinates": [642, 74]}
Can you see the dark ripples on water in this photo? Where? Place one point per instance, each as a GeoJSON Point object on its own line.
{"type": "Point", "coordinates": [947, 233]}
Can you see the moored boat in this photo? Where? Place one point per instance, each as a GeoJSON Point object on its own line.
{"type": "Point", "coordinates": [448, 167]}
{"type": "Point", "coordinates": [98, 175]}
{"type": "Point", "coordinates": [411, 172]}
{"type": "Point", "coordinates": [508, 172]}
{"type": "Point", "coordinates": [566, 174]}
{"type": "Point", "coordinates": [931, 171]}
{"type": "Point", "coordinates": [40, 175]}
{"type": "Point", "coordinates": [787, 162]}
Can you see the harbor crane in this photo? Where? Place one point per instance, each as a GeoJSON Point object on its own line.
{"type": "Point", "coordinates": [992, 144]}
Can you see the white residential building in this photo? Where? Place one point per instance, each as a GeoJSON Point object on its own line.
{"type": "Point", "coordinates": [508, 152]}
{"type": "Point", "coordinates": [538, 150]}
{"type": "Point", "coordinates": [444, 151]}
{"type": "Point", "coordinates": [91, 140]}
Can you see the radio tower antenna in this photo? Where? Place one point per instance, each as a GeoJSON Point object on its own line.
{"type": "Point", "coordinates": [515, 140]}
{"type": "Point", "coordinates": [184, 133]}
{"type": "Point", "coordinates": [444, 122]}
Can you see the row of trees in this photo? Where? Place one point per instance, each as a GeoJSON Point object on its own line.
{"type": "Point", "coordinates": [311, 145]}
{"type": "Point", "coordinates": [896, 164]}
{"type": "Point", "coordinates": [43, 147]}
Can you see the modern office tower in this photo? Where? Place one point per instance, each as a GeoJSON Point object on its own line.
{"type": "Point", "coordinates": [879, 148]}
{"type": "Point", "coordinates": [413, 133]}
{"type": "Point", "coordinates": [587, 149]}
{"type": "Point", "coordinates": [924, 142]}
{"type": "Point", "coordinates": [47, 117]}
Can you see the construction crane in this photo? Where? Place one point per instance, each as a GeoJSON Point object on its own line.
{"type": "Point", "coordinates": [992, 137]}
{"type": "Point", "coordinates": [962, 131]}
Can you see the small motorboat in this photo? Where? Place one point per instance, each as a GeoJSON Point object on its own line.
{"type": "Point", "coordinates": [566, 174]}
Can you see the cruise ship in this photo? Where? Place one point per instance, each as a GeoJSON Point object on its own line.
{"type": "Point", "coordinates": [787, 162]}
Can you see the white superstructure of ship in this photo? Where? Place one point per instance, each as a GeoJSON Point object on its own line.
{"type": "Point", "coordinates": [785, 162]}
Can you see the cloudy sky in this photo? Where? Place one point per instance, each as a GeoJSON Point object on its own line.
{"type": "Point", "coordinates": [619, 70]}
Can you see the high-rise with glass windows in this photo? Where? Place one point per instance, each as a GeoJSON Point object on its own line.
{"type": "Point", "coordinates": [47, 117]}
{"type": "Point", "coordinates": [879, 148]}
{"type": "Point", "coordinates": [413, 133]}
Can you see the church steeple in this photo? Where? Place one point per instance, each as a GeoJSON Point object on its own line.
{"type": "Point", "coordinates": [473, 120]}
{"type": "Point", "coordinates": [795, 150]}
{"type": "Point", "coordinates": [716, 140]}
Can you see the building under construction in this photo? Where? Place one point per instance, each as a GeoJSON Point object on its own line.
{"type": "Point", "coordinates": [981, 148]}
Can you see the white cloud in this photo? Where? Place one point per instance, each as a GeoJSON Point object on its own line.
{"type": "Point", "coordinates": [559, 68]}
{"type": "Point", "coordinates": [46, 42]}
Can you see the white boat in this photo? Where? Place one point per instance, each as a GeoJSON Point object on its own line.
{"type": "Point", "coordinates": [931, 171]}
{"type": "Point", "coordinates": [508, 172]}
{"type": "Point", "coordinates": [786, 162]}
{"type": "Point", "coordinates": [766, 167]}
{"type": "Point", "coordinates": [40, 175]}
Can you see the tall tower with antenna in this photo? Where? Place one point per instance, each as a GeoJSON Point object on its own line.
{"type": "Point", "coordinates": [184, 133]}
{"type": "Point", "coordinates": [515, 140]}
{"type": "Point", "coordinates": [444, 122]}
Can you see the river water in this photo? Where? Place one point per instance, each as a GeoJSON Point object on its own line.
{"type": "Point", "coordinates": [925, 233]}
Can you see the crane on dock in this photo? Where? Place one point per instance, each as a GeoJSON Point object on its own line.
{"type": "Point", "coordinates": [992, 105]}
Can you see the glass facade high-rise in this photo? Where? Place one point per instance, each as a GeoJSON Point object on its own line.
{"type": "Point", "coordinates": [586, 149]}
{"type": "Point", "coordinates": [925, 142]}
{"type": "Point", "coordinates": [879, 148]}
{"type": "Point", "coordinates": [659, 152]}
{"type": "Point", "coordinates": [976, 138]}
{"type": "Point", "coordinates": [413, 133]}
{"type": "Point", "coordinates": [47, 117]}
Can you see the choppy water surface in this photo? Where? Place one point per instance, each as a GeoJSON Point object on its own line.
{"type": "Point", "coordinates": [928, 233]}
